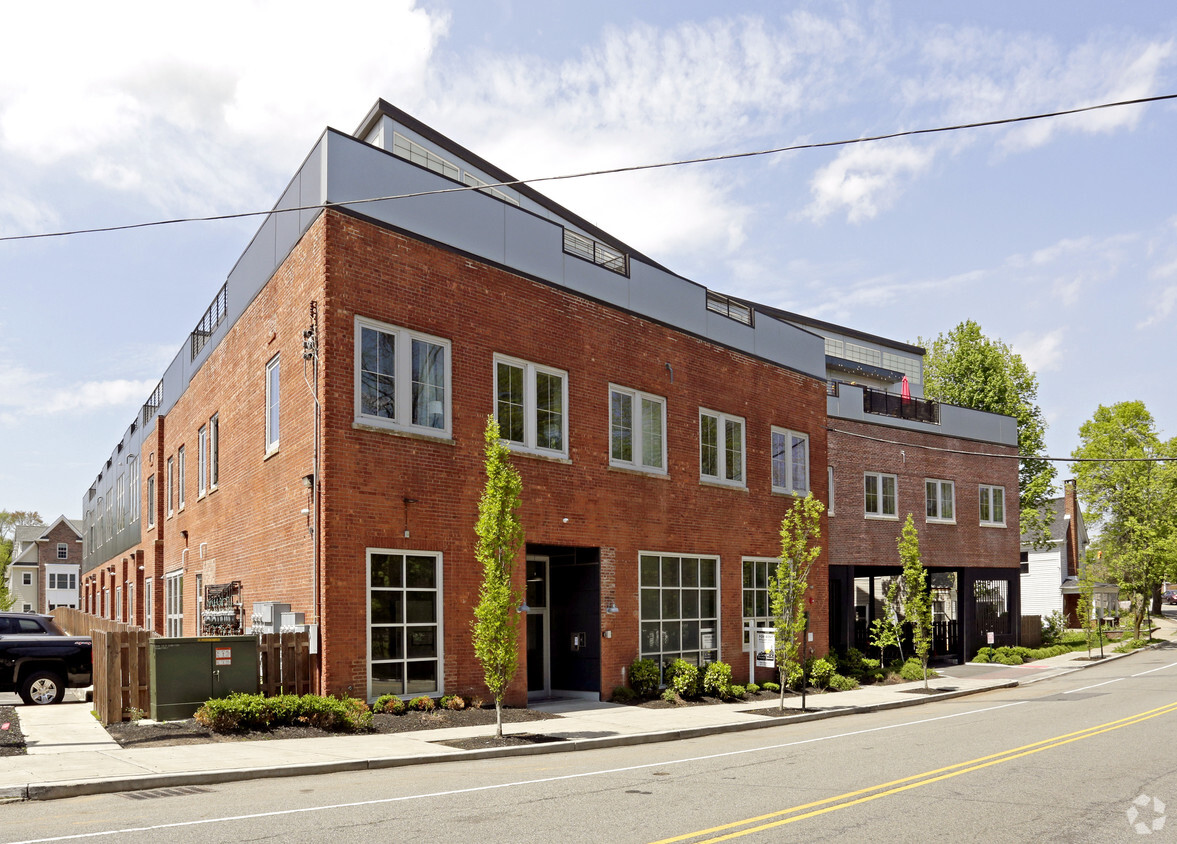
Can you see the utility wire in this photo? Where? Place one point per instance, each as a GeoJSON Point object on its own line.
{"type": "Point", "coordinates": [1002, 456]}
{"type": "Point", "coordinates": [628, 169]}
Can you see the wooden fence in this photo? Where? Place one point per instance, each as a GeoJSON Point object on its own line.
{"type": "Point", "coordinates": [121, 674]}
{"type": "Point", "coordinates": [284, 662]}
{"type": "Point", "coordinates": [1031, 631]}
{"type": "Point", "coordinates": [78, 623]}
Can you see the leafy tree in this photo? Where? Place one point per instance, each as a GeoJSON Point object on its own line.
{"type": "Point", "coordinates": [1133, 503]}
{"type": "Point", "coordinates": [917, 600]}
{"type": "Point", "coordinates": [8, 523]}
{"type": "Point", "coordinates": [1084, 607]}
{"type": "Point", "coordinates": [885, 632]}
{"type": "Point", "coordinates": [800, 527]}
{"type": "Point", "coordinates": [500, 536]}
{"type": "Point", "coordinates": [968, 369]}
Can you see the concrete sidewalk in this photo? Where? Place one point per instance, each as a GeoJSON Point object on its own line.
{"type": "Point", "coordinates": [69, 754]}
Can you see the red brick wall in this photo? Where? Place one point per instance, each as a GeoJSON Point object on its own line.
{"type": "Point", "coordinates": [855, 540]}
{"type": "Point", "coordinates": [483, 311]}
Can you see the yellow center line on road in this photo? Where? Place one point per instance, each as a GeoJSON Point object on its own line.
{"type": "Point", "coordinates": [886, 789]}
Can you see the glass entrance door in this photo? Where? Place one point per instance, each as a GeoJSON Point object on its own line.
{"type": "Point", "coordinates": [539, 682]}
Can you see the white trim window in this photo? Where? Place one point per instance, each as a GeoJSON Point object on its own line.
{"type": "Point", "coordinates": [202, 461]}
{"type": "Point", "coordinates": [26, 578]}
{"type": "Point", "coordinates": [120, 498]}
{"type": "Point", "coordinates": [940, 501]}
{"type": "Point", "coordinates": [757, 608]}
{"type": "Point", "coordinates": [830, 490]}
{"type": "Point", "coordinates": [173, 595]}
{"type": "Point", "coordinates": [790, 461]}
{"type": "Point", "coordinates": [637, 430]}
{"type": "Point", "coordinates": [171, 487]}
{"type": "Point", "coordinates": [148, 596]}
{"type": "Point", "coordinates": [880, 495]}
{"type": "Point", "coordinates": [214, 451]}
{"type": "Point", "coordinates": [721, 448]}
{"type": "Point", "coordinates": [679, 608]}
{"type": "Point", "coordinates": [133, 490]}
{"type": "Point", "coordinates": [62, 551]}
{"type": "Point", "coordinates": [530, 402]}
{"type": "Point", "coordinates": [404, 623]}
{"type": "Point", "coordinates": [402, 379]}
{"type": "Point", "coordinates": [273, 408]}
{"type": "Point", "coordinates": [992, 505]}
{"type": "Point", "coordinates": [180, 478]}
{"type": "Point", "coordinates": [118, 603]}
{"type": "Point", "coordinates": [151, 501]}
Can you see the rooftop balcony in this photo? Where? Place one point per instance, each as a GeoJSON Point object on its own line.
{"type": "Point", "coordinates": [878, 407]}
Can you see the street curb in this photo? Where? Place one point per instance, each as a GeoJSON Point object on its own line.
{"type": "Point", "coordinates": [145, 782]}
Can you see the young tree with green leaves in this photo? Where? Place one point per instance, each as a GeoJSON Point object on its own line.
{"type": "Point", "coordinates": [800, 528]}
{"type": "Point", "coordinates": [1083, 608]}
{"type": "Point", "coordinates": [885, 632]}
{"type": "Point", "coordinates": [500, 536]}
{"type": "Point", "coordinates": [9, 519]}
{"type": "Point", "coordinates": [968, 369]}
{"type": "Point", "coordinates": [1133, 502]}
{"type": "Point", "coordinates": [917, 600]}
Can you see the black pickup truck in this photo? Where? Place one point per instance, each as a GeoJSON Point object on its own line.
{"type": "Point", "coordinates": [39, 661]}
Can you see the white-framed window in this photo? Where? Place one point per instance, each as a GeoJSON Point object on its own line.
{"type": "Point", "coordinates": [679, 608]}
{"type": "Point", "coordinates": [151, 501]}
{"type": "Point", "coordinates": [27, 607]}
{"type": "Point", "coordinates": [171, 486]}
{"type": "Point", "coordinates": [992, 505]}
{"type": "Point", "coordinates": [121, 501]}
{"type": "Point", "coordinates": [133, 490]}
{"type": "Point", "coordinates": [530, 402]}
{"type": "Point", "coordinates": [757, 611]}
{"type": "Point", "coordinates": [202, 461]}
{"type": "Point", "coordinates": [62, 551]}
{"type": "Point", "coordinates": [790, 461]}
{"type": "Point", "coordinates": [273, 373]}
{"type": "Point", "coordinates": [131, 603]}
{"type": "Point", "coordinates": [148, 593]}
{"type": "Point", "coordinates": [26, 578]}
{"type": "Point", "coordinates": [414, 152]}
{"type": "Point", "coordinates": [721, 448]}
{"type": "Point", "coordinates": [180, 478]}
{"type": "Point", "coordinates": [880, 494]}
{"type": "Point", "coordinates": [637, 430]}
{"type": "Point", "coordinates": [402, 379]}
{"type": "Point", "coordinates": [118, 603]}
{"type": "Point", "coordinates": [830, 490]}
{"type": "Point", "coordinates": [404, 622]}
{"type": "Point", "coordinates": [214, 451]}
{"type": "Point", "coordinates": [173, 594]}
{"type": "Point", "coordinates": [940, 500]}
{"type": "Point", "coordinates": [63, 580]}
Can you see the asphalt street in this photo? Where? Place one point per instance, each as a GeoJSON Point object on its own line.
{"type": "Point", "coordinates": [1066, 759]}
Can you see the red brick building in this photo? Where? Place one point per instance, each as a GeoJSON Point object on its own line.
{"type": "Point", "coordinates": [318, 441]}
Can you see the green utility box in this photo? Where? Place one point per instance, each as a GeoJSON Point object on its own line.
{"type": "Point", "coordinates": [187, 672]}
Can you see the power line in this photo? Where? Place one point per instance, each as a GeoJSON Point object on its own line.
{"type": "Point", "coordinates": [610, 171]}
{"type": "Point", "coordinates": [1002, 456]}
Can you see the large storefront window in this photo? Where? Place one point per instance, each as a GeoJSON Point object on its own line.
{"type": "Point", "coordinates": [404, 623]}
{"type": "Point", "coordinates": [679, 608]}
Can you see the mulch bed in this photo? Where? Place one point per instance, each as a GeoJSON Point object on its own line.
{"type": "Point", "coordinates": [12, 740]}
{"type": "Point", "coordinates": [170, 733]}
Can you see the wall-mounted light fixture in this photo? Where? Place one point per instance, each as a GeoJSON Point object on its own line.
{"type": "Point", "coordinates": [308, 480]}
{"type": "Point", "coordinates": [611, 607]}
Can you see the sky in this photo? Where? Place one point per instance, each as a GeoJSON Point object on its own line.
{"type": "Point", "coordinates": [1058, 236]}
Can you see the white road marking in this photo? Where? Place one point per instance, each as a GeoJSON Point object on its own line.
{"type": "Point", "coordinates": [1151, 670]}
{"type": "Point", "coordinates": [520, 783]}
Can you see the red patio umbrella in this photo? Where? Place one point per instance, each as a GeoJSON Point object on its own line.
{"type": "Point", "coordinates": [905, 390]}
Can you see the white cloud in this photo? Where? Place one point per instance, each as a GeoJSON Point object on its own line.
{"type": "Point", "coordinates": [866, 179]}
{"type": "Point", "coordinates": [1041, 351]}
{"type": "Point", "coordinates": [24, 393]}
{"type": "Point", "coordinates": [1161, 308]}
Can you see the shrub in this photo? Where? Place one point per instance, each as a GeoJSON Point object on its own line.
{"type": "Point", "coordinates": [396, 706]}
{"type": "Point", "coordinates": [840, 683]}
{"type": "Point", "coordinates": [1053, 627]}
{"type": "Point", "coordinates": [794, 678]}
{"type": "Point", "coordinates": [912, 670]}
{"type": "Point", "coordinates": [717, 679]}
{"type": "Point", "coordinates": [384, 703]}
{"type": "Point", "coordinates": [669, 696]}
{"type": "Point", "coordinates": [624, 694]}
{"type": "Point", "coordinates": [240, 712]}
{"type": "Point", "coordinates": [752, 688]}
{"type": "Point", "coordinates": [985, 655]}
{"type": "Point", "coordinates": [736, 692]}
{"type": "Point", "coordinates": [770, 686]}
{"type": "Point", "coordinates": [424, 703]}
{"type": "Point", "coordinates": [455, 703]}
{"type": "Point", "coordinates": [1130, 645]}
{"type": "Point", "coordinates": [820, 672]}
{"type": "Point", "coordinates": [851, 663]}
{"type": "Point", "coordinates": [683, 677]}
{"type": "Point", "coordinates": [643, 677]}
{"type": "Point", "coordinates": [872, 670]}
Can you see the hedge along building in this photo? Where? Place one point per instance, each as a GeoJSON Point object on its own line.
{"type": "Point", "coordinates": [318, 441]}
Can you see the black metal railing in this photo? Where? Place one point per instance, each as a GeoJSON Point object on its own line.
{"type": "Point", "coordinates": [900, 407]}
{"type": "Point", "coordinates": [212, 318]}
